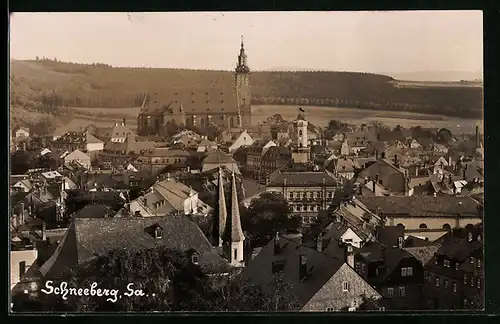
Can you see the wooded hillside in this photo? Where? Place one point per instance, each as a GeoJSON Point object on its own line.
{"type": "Point", "coordinates": [82, 85]}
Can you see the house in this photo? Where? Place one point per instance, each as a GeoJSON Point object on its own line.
{"type": "Point", "coordinates": [439, 148]}
{"type": "Point", "coordinates": [343, 167]}
{"type": "Point", "coordinates": [345, 149]}
{"type": "Point", "coordinates": [161, 157]}
{"type": "Point", "coordinates": [120, 132]}
{"type": "Point", "coordinates": [218, 159]}
{"type": "Point", "coordinates": [307, 192]}
{"type": "Point", "coordinates": [354, 214]}
{"type": "Point", "coordinates": [204, 145]}
{"type": "Point", "coordinates": [22, 133]}
{"type": "Point", "coordinates": [389, 175]}
{"type": "Point", "coordinates": [93, 144]}
{"type": "Point", "coordinates": [413, 143]}
{"type": "Point", "coordinates": [373, 189]}
{"type": "Point", "coordinates": [135, 233]}
{"type": "Point", "coordinates": [23, 256]}
{"type": "Point", "coordinates": [394, 272]}
{"type": "Point", "coordinates": [150, 204]}
{"type": "Point", "coordinates": [341, 233]}
{"type": "Point", "coordinates": [187, 138]}
{"type": "Point", "coordinates": [425, 212]}
{"type": "Point", "coordinates": [316, 281]}
{"type": "Point", "coordinates": [255, 153]}
{"type": "Point", "coordinates": [78, 157]}
{"type": "Point", "coordinates": [454, 277]}
{"type": "Point", "coordinates": [236, 140]}
{"type": "Point", "coordinates": [182, 198]}
{"type": "Point", "coordinates": [274, 158]}
{"type": "Point", "coordinates": [23, 186]}
{"type": "Point", "coordinates": [94, 211]}
{"type": "Point", "coordinates": [118, 153]}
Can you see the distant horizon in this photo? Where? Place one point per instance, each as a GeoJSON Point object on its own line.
{"type": "Point", "coordinates": [360, 41]}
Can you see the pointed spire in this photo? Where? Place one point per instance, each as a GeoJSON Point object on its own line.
{"type": "Point", "coordinates": [234, 232]}
{"type": "Point", "coordinates": [222, 211]}
{"type": "Point", "coordinates": [242, 47]}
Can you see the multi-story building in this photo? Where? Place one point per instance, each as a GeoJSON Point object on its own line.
{"type": "Point", "coordinates": [308, 192]}
{"type": "Point", "coordinates": [454, 277]}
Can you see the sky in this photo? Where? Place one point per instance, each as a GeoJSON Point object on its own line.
{"type": "Point", "coordinates": [363, 41]}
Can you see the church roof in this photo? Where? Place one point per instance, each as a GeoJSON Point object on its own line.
{"type": "Point", "coordinates": [198, 101]}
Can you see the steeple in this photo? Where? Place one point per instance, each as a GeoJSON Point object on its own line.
{"type": "Point", "coordinates": [242, 66]}
{"type": "Point", "coordinates": [222, 211]}
{"type": "Point", "coordinates": [233, 235]}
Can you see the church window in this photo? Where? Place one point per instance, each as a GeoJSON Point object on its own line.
{"type": "Point", "coordinates": [300, 132]}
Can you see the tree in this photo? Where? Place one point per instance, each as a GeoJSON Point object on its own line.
{"type": "Point", "coordinates": [370, 304]}
{"type": "Point", "coordinates": [171, 128]}
{"type": "Point", "coordinates": [20, 162]}
{"type": "Point", "coordinates": [266, 215]}
{"type": "Point", "coordinates": [167, 279]}
{"type": "Point", "coordinates": [243, 296]}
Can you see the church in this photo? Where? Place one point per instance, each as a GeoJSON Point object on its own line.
{"type": "Point", "coordinates": [226, 103]}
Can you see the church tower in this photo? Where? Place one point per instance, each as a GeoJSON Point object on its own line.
{"type": "Point", "coordinates": [234, 238]}
{"type": "Point", "coordinates": [242, 83]}
{"type": "Point", "coordinates": [301, 150]}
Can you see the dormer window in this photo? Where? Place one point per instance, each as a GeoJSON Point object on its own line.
{"type": "Point", "coordinates": [158, 232]}
{"type": "Point", "coordinates": [478, 263]}
{"type": "Point", "coordinates": [469, 237]}
{"type": "Point", "coordinates": [195, 258]}
{"type": "Point", "coordinates": [457, 266]}
{"type": "Point", "coordinates": [479, 238]}
{"type": "Point", "coordinates": [472, 259]}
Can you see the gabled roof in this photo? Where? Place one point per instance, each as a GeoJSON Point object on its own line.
{"type": "Point", "coordinates": [320, 268]}
{"type": "Point", "coordinates": [94, 211]}
{"type": "Point", "coordinates": [88, 238]}
{"type": "Point", "coordinates": [91, 139]}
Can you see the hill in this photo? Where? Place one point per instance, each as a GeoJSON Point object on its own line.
{"type": "Point", "coordinates": [45, 86]}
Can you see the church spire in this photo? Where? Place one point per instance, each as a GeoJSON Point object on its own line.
{"type": "Point", "coordinates": [233, 235]}
{"type": "Point", "coordinates": [222, 211]}
{"type": "Point", "coordinates": [242, 66]}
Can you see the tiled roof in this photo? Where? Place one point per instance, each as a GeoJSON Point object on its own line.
{"type": "Point", "coordinates": [217, 157]}
{"type": "Point", "coordinates": [174, 192]}
{"type": "Point", "coordinates": [441, 206]}
{"type": "Point", "coordinates": [89, 238]}
{"type": "Point", "coordinates": [388, 235]}
{"type": "Point", "coordinates": [91, 139]}
{"type": "Point", "coordinates": [423, 253]}
{"type": "Point", "coordinates": [307, 178]}
{"type": "Point", "coordinates": [198, 101]}
{"type": "Point", "coordinates": [94, 211]}
{"type": "Point", "coordinates": [320, 268]}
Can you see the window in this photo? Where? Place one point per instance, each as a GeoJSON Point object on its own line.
{"type": "Point", "coordinates": [402, 291]}
{"type": "Point", "coordinates": [195, 258]}
{"type": "Point", "coordinates": [472, 281]}
{"type": "Point", "coordinates": [345, 286]}
{"type": "Point", "coordinates": [22, 269]}
{"type": "Point", "coordinates": [236, 254]}
{"type": "Point", "coordinates": [457, 266]}
{"type": "Point", "coordinates": [278, 266]}
{"type": "Point", "coordinates": [390, 292]}
{"type": "Point", "coordinates": [328, 195]}
{"type": "Point", "coordinates": [429, 278]}
{"type": "Point", "coordinates": [479, 238]}
{"type": "Point", "coordinates": [478, 263]}
{"type": "Point", "coordinates": [290, 195]}
{"type": "Point", "coordinates": [406, 272]}
{"type": "Point", "coordinates": [465, 279]}
{"type": "Point", "coordinates": [465, 302]}
{"type": "Point", "coordinates": [455, 287]}
{"type": "Point", "coordinates": [447, 263]}
{"type": "Point", "coordinates": [478, 283]}
{"type": "Point", "coordinates": [158, 233]}
{"type": "Point", "coordinates": [400, 241]}
{"type": "Point", "coordinates": [437, 282]}
{"type": "Point", "coordinates": [330, 309]}
{"type": "Point", "coordinates": [471, 260]}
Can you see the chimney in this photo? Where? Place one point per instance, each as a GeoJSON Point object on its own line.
{"type": "Point", "coordinates": [319, 243]}
{"type": "Point", "coordinates": [416, 171]}
{"type": "Point", "coordinates": [449, 161]}
{"type": "Point", "coordinates": [14, 221]}
{"type": "Point", "coordinates": [400, 242]}
{"type": "Point", "coordinates": [168, 176]}
{"type": "Point", "coordinates": [276, 244]}
{"type": "Point", "coordinates": [396, 160]}
{"type": "Point", "coordinates": [374, 185]}
{"type": "Point", "coordinates": [350, 255]}
{"type": "Point", "coordinates": [123, 122]}
{"type": "Point", "coordinates": [376, 155]}
{"type": "Point", "coordinates": [302, 267]}
{"type": "Point", "coordinates": [44, 229]}
{"type": "Point", "coordinates": [284, 182]}
{"type": "Point", "coordinates": [464, 173]}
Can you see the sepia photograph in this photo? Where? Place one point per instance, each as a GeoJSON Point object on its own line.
{"type": "Point", "coordinates": [328, 161]}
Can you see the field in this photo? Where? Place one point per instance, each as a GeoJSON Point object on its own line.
{"type": "Point", "coordinates": [420, 84]}
{"type": "Point", "coordinates": [317, 115]}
